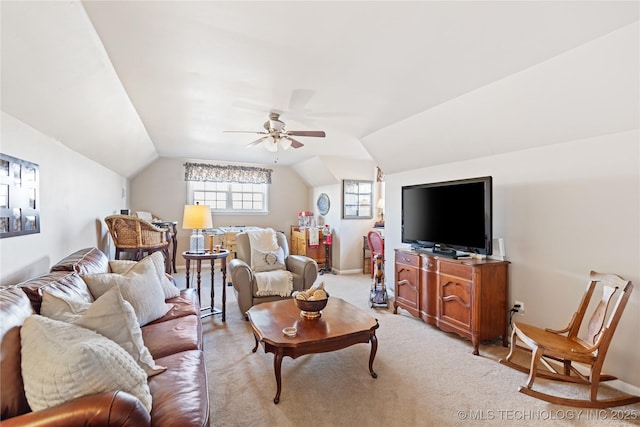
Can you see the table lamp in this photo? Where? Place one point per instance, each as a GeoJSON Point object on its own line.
{"type": "Point", "coordinates": [196, 217]}
{"type": "Point", "coordinates": [380, 206]}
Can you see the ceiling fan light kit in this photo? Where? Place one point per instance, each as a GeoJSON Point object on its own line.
{"type": "Point", "coordinates": [270, 144]}
{"type": "Point", "coordinates": [275, 134]}
{"type": "Point", "coordinates": [285, 143]}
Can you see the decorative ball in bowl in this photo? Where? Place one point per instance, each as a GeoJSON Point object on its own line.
{"type": "Point", "coordinates": [311, 302]}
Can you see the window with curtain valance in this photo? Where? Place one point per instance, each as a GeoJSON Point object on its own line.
{"type": "Point", "coordinates": [226, 173]}
{"type": "Point", "coordinates": [228, 189]}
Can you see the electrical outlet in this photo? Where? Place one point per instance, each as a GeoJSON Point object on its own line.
{"type": "Point", "coordinates": [520, 306]}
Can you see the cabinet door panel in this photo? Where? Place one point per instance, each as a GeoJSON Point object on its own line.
{"type": "Point", "coordinates": [455, 302]}
{"type": "Point", "coordinates": [407, 285]}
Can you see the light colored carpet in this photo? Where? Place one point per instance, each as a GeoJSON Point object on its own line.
{"type": "Point", "coordinates": [426, 377]}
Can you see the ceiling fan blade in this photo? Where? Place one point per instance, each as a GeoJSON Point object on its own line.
{"type": "Point", "coordinates": [318, 133]}
{"type": "Point", "coordinates": [256, 142]}
{"type": "Point", "coordinates": [245, 131]}
{"type": "Point", "coordinates": [294, 143]}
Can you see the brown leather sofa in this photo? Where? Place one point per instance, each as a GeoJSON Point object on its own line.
{"type": "Point", "coordinates": [180, 395]}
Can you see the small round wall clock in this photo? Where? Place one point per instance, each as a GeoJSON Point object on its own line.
{"type": "Point", "coordinates": [323, 204]}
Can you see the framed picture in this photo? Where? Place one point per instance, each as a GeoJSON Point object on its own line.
{"type": "Point", "coordinates": [19, 197]}
{"type": "Point", "coordinates": [357, 199]}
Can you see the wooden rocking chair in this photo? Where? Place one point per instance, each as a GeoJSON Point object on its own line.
{"type": "Point", "coordinates": [565, 347]}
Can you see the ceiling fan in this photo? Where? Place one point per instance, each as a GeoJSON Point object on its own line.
{"type": "Point", "coordinates": [276, 135]}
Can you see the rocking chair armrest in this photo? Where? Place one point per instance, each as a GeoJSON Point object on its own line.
{"type": "Point", "coordinates": [595, 345]}
{"type": "Point", "coordinates": [565, 330]}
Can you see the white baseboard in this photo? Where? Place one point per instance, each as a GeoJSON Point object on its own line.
{"type": "Point", "coordinates": [359, 270]}
{"type": "Point", "coordinates": [625, 387]}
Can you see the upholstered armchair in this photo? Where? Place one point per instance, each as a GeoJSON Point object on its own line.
{"type": "Point", "coordinates": [303, 269]}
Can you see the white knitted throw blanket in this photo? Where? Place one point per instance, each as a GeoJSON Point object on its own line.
{"type": "Point", "coordinates": [276, 282]}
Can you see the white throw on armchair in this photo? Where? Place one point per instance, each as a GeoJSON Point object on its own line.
{"type": "Point", "coordinates": [303, 271]}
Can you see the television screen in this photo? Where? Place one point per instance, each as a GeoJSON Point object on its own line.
{"type": "Point", "coordinates": [449, 216]}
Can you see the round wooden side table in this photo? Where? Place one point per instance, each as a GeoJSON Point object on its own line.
{"type": "Point", "coordinates": [211, 257]}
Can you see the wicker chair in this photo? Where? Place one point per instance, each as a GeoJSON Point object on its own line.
{"type": "Point", "coordinates": [138, 237]}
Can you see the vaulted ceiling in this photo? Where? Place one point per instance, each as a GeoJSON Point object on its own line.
{"type": "Point", "coordinates": [125, 82]}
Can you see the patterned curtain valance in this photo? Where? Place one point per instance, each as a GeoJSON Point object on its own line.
{"type": "Point", "coordinates": [226, 173]}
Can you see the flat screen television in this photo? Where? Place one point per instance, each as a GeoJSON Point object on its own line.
{"type": "Point", "coordinates": [447, 217]}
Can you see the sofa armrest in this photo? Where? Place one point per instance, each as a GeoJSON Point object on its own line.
{"type": "Point", "coordinates": [305, 267]}
{"type": "Point", "coordinates": [116, 408]}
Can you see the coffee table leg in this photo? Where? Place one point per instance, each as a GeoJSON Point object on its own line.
{"type": "Point", "coordinates": [277, 365]}
{"type": "Point", "coordinates": [255, 337]}
{"type": "Point", "coordinates": [374, 348]}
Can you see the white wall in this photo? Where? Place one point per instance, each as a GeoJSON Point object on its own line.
{"type": "Point", "coordinates": [161, 189]}
{"type": "Point", "coordinates": [347, 233]}
{"type": "Point", "coordinates": [562, 210]}
{"type": "Point", "coordinates": [75, 195]}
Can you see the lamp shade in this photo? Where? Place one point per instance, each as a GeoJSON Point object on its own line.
{"type": "Point", "coordinates": [197, 217]}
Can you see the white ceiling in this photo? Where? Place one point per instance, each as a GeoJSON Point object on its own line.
{"type": "Point", "coordinates": [125, 82]}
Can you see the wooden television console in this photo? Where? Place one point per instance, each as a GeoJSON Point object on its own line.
{"type": "Point", "coordinates": [465, 296]}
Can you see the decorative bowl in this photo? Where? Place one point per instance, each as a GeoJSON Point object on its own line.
{"type": "Point", "coordinates": [311, 309]}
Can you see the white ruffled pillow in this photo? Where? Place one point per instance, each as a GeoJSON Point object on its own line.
{"type": "Point", "coordinates": [62, 362]}
{"type": "Point", "coordinates": [157, 259]}
{"type": "Point", "coordinates": [267, 260]}
{"type": "Point", "coordinates": [110, 316]}
{"type": "Point", "coordinates": [139, 286]}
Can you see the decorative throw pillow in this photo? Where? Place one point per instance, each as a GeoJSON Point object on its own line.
{"type": "Point", "coordinates": [62, 308]}
{"type": "Point", "coordinates": [140, 287]}
{"type": "Point", "coordinates": [267, 260]}
{"type": "Point", "coordinates": [120, 266]}
{"type": "Point", "coordinates": [61, 362]}
{"type": "Point", "coordinates": [110, 316]}
{"type": "Point", "coordinates": [157, 259]}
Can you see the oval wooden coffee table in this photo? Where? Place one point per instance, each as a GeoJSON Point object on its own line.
{"type": "Point", "coordinates": [341, 325]}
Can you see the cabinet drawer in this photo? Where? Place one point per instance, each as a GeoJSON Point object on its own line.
{"type": "Point", "coordinates": [429, 263]}
{"type": "Point", "coordinates": [407, 259]}
{"type": "Point", "coordinates": [456, 270]}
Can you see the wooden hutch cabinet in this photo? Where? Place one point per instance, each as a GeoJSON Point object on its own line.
{"type": "Point", "coordinates": [465, 296]}
{"type": "Point", "coordinates": [300, 245]}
